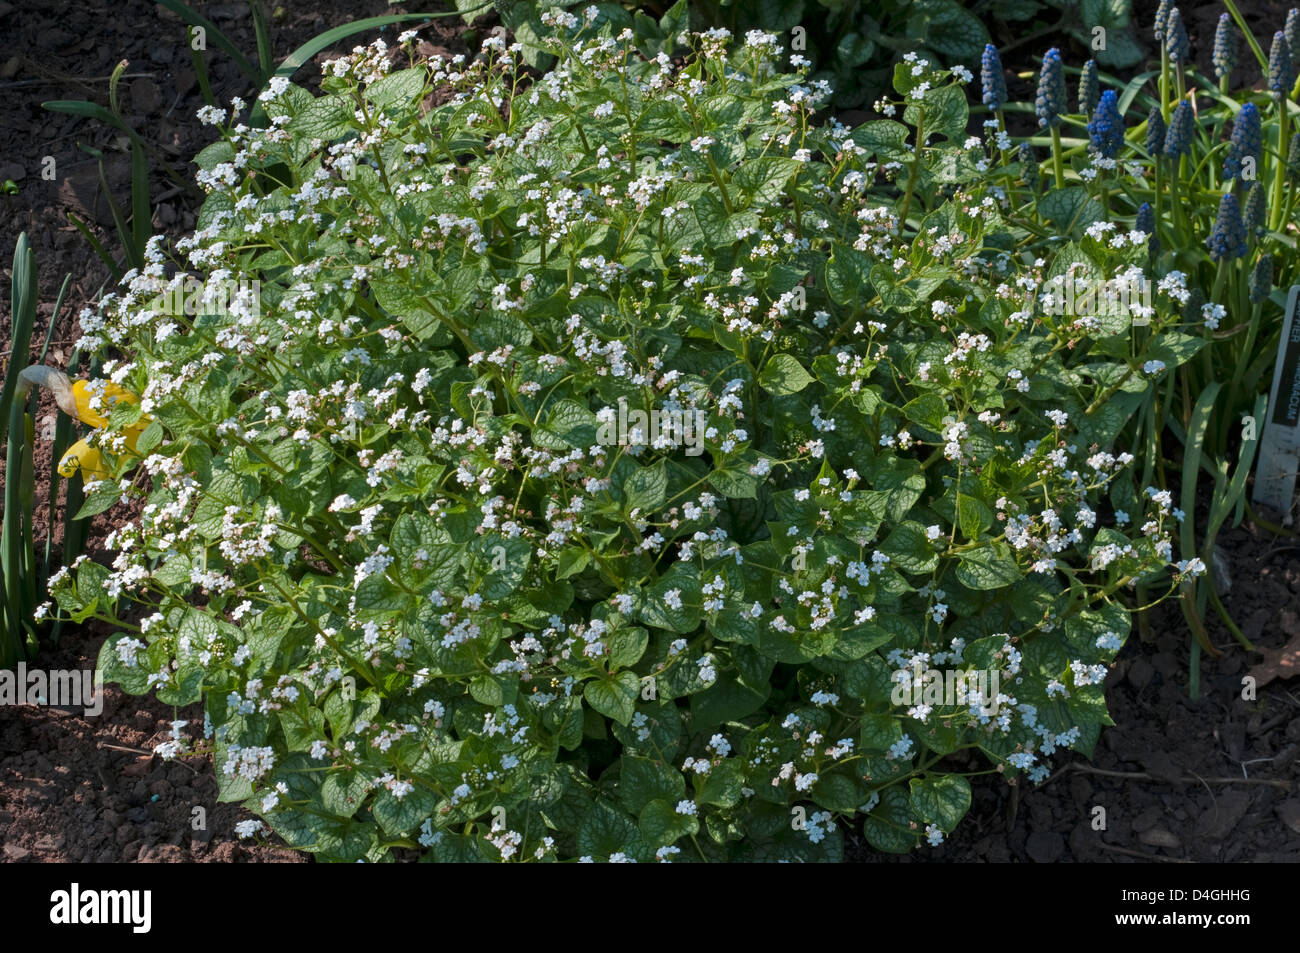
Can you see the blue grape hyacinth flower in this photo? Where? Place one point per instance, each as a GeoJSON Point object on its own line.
{"type": "Point", "coordinates": [1260, 282]}
{"type": "Point", "coordinates": [1162, 14]}
{"type": "Point", "coordinates": [1028, 165]}
{"type": "Point", "coordinates": [1256, 209]}
{"type": "Point", "coordinates": [1106, 130]}
{"type": "Point", "coordinates": [1176, 37]}
{"type": "Point", "coordinates": [1178, 140]}
{"type": "Point", "coordinates": [1292, 33]}
{"type": "Point", "coordinates": [1146, 222]}
{"type": "Point", "coordinates": [1247, 140]}
{"type": "Point", "coordinates": [1050, 103]}
{"type": "Point", "coordinates": [1156, 130]}
{"type": "Point", "coordinates": [1089, 88]}
{"type": "Point", "coordinates": [1279, 77]}
{"type": "Point", "coordinates": [992, 78]}
{"type": "Point", "coordinates": [1228, 237]}
{"type": "Point", "coordinates": [1225, 47]}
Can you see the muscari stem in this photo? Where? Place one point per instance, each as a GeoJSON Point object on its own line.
{"type": "Point", "coordinates": [1279, 167]}
{"type": "Point", "coordinates": [1058, 167]}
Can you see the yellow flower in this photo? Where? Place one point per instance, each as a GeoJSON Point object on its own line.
{"type": "Point", "coordinates": [83, 394]}
{"type": "Point", "coordinates": [82, 456]}
{"type": "Point", "coordinates": [108, 393]}
{"type": "Point", "coordinates": [92, 403]}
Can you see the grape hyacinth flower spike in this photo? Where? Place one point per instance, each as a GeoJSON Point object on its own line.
{"type": "Point", "coordinates": [1106, 130]}
{"type": "Point", "coordinates": [1228, 237]}
{"type": "Point", "coordinates": [1028, 165]}
{"type": "Point", "coordinates": [1292, 33]}
{"type": "Point", "coordinates": [1176, 37]}
{"type": "Point", "coordinates": [1225, 47]}
{"type": "Point", "coordinates": [1256, 210]}
{"type": "Point", "coordinates": [1279, 78]}
{"type": "Point", "coordinates": [1050, 103]}
{"type": "Point", "coordinates": [1242, 160]}
{"type": "Point", "coordinates": [1156, 131]}
{"type": "Point", "coordinates": [1162, 14]}
{"type": "Point", "coordinates": [1260, 282]}
{"type": "Point", "coordinates": [1089, 88]}
{"type": "Point", "coordinates": [992, 80]}
{"type": "Point", "coordinates": [1178, 140]}
{"type": "Point", "coordinates": [1146, 222]}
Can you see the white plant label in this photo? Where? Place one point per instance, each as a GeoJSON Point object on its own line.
{"type": "Point", "coordinates": [1279, 452]}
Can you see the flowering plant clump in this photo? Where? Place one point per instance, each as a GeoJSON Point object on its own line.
{"type": "Point", "coordinates": [604, 468]}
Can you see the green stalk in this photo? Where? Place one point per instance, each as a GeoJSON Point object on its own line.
{"type": "Point", "coordinates": [264, 61]}
{"type": "Point", "coordinates": [1058, 167]}
{"type": "Point", "coordinates": [1220, 277]}
{"type": "Point", "coordinates": [1279, 168]}
{"type": "Point", "coordinates": [27, 502]}
{"type": "Point", "coordinates": [1155, 199]}
{"type": "Point", "coordinates": [16, 589]}
{"type": "Point", "coordinates": [1239, 368]}
{"type": "Point", "coordinates": [1175, 203]}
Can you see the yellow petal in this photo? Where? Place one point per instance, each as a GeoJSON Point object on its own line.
{"type": "Point", "coordinates": [83, 394]}
{"type": "Point", "coordinates": [86, 458]}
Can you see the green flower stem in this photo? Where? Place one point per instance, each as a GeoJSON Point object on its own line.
{"type": "Point", "coordinates": [722, 186]}
{"type": "Point", "coordinates": [1110, 392]}
{"type": "Point", "coordinates": [1058, 166]}
{"type": "Point", "coordinates": [321, 550]}
{"type": "Point", "coordinates": [1159, 191]}
{"type": "Point", "coordinates": [1220, 277]}
{"type": "Point", "coordinates": [1238, 370]}
{"type": "Point", "coordinates": [1225, 617]}
{"type": "Point", "coordinates": [1278, 202]}
{"type": "Point", "coordinates": [1175, 203]}
{"type": "Point", "coordinates": [360, 666]}
{"type": "Point", "coordinates": [1002, 158]}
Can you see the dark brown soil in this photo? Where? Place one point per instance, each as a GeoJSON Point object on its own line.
{"type": "Point", "coordinates": [79, 788]}
{"type": "Point", "coordinates": [74, 788]}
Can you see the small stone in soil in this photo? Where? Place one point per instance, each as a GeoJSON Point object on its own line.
{"type": "Point", "coordinates": [1289, 813]}
{"type": "Point", "coordinates": [1219, 820]}
{"type": "Point", "coordinates": [1159, 837]}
